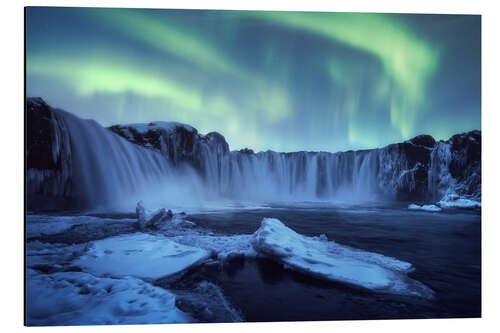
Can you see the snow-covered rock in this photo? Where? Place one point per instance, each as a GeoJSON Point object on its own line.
{"type": "Point", "coordinates": [331, 261]}
{"type": "Point", "coordinates": [154, 219]}
{"type": "Point", "coordinates": [429, 208]}
{"type": "Point", "coordinates": [179, 143]}
{"type": "Point", "coordinates": [78, 298]}
{"type": "Point", "coordinates": [140, 255]}
{"type": "Point", "coordinates": [160, 219]}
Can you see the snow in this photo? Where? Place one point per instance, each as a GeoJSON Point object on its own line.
{"type": "Point", "coordinates": [403, 173]}
{"type": "Point", "coordinates": [77, 298]}
{"type": "Point", "coordinates": [168, 126]}
{"type": "Point", "coordinates": [455, 201]}
{"type": "Point", "coordinates": [429, 208]}
{"type": "Point", "coordinates": [140, 255]}
{"type": "Point", "coordinates": [38, 224]}
{"type": "Point", "coordinates": [225, 247]}
{"type": "Point", "coordinates": [54, 255]}
{"type": "Point", "coordinates": [153, 219]}
{"type": "Point", "coordinates": [331, 261]}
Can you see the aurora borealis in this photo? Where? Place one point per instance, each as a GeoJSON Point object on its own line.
{"type": "Point", "coordinates": [285, 81]}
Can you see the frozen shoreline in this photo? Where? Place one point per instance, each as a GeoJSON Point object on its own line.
{"type": "Point", "coordinates": [50, 254]}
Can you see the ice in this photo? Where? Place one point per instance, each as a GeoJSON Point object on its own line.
{"type": "Point", "coordinates": [429, 208]}
{"type": "Point", "coordinates": [77, 298]}
{"type": "Point", "coordinates": [168, 126]}
{"type": "Point", "coordinates": [225, 247]}
{"type": "Point", "coordinates": [151, 219]}
{"type": "Point", "coordinates": [39, 224]}
{"type": "Point", "coordinates": [331, 261]}
{"type": "Point", "coordinates": [455, 201]}
{"type": "Point", "coordinates": [140, 255]}
{"type": "Point", "coordinates": [56, 256]}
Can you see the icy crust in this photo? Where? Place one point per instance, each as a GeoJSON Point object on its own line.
{"type": "Point", "coordinates": [331, 261]}
{"type": "Point", "coordinates": [52, 256]}
{"type": "Point", "coordinates": [428, 208]}
{"type": "Point", "coordinates": [77, 298]}
{"type": "Point", "coordinates": [168, 126]}
{"type": "Point", "coordinates": [224, 247]}
{"type": "Point", "coordinates": [140, 255]}
{"type": "Point", "coordinates": [455, 201]}
{"type": "Point", "coordinates": [38, 224]}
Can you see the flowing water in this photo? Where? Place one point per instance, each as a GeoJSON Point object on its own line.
{"type": "Point", "coordinates": [445, 249]}
{"type": "Point", "coordinates": [102, 169]}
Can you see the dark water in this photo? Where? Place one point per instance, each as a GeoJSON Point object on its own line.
{"type": "Point", "coordinates": [445, 249]}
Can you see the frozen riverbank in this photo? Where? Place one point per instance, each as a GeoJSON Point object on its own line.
{"type": "Point", "coordinates": [229, 270]}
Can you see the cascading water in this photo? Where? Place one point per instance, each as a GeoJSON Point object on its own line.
{"type": "Point", "coordinates": [302, 176]}
{"type": "Point", "coordinates": [109, 171]}
{"type": "Point", "coordinates": [98, 167]}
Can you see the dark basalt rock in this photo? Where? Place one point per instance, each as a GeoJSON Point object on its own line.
{"type": "Point", "coordinates": [246, 151]}
{"type": "Point", "coordinates": [48, 157]}
{"type": "Point", "coordinates": [180, 143]}
{"type": "Point", "coordinates": [39, 136]}
{"type": "Point", "coordinates": [423, 140]}
{"type": "Point", "coordinates": [45, 145]}
{"type": "Point", "coordinates": [465, 163]}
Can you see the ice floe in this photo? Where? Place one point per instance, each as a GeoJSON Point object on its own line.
{"type": "Point", "coordinates": [429, 208]}
{"type": "Point", "coordinates": [77, 298]}
{"type": "Point", "coordinates": [455, 201]}
{"type": "Point", "coordinates": [224, 247]}
{"type": "Point", "coordinates": [331, 261]}
{"type": "Point", "coordinates": [140, 255]}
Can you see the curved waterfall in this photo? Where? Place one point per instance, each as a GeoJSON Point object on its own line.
{"type": "Point", "coordinates": [303, 176]}
{"type": "Point", "coordinates": [107, 170]}
{"type": "Point", "coordinates": [169, 164]}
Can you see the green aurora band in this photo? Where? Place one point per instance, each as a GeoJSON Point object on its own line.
{"type": "Point", "coordinates": [266, 80]}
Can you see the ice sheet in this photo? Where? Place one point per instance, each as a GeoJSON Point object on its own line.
{"type": "Point", "coordinates": [331, 261]}
{"type": "Point", "coordinates": [77, 298]}
{"type": "Point", "coordinates": [140, 255]}
{"type": "Point", "coordinates": [428, 208]}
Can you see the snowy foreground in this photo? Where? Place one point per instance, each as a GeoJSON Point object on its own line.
{"type": "Point", "coordinates": [112, 280]}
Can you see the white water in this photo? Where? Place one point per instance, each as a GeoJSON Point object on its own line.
{"type": "Point", "coordinates": [107, 171]}
{"type": "Point", "coordinates": [303, 176]}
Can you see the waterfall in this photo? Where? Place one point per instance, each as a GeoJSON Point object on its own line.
{"type": "Point", "coordinates": [302, 176]}
{"type": "Point", "coordinates": [108, 171]}
{"type": "Point", "coordinates": [91, 166]}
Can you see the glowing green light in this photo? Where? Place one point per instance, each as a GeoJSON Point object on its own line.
{"type": "Point", "coordinates": [408, 60]}
{"type": "Point", "coordinates": [107, 75]}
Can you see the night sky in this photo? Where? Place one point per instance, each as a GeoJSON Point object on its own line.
{"type": "Point", "coordinates": [285, 81]}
